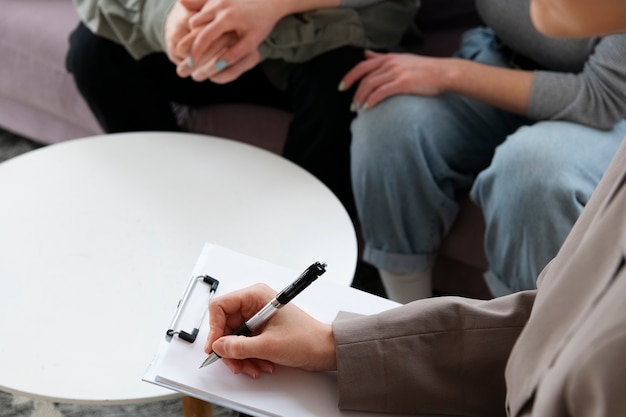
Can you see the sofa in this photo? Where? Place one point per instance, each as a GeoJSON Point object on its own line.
{"type": "Point", "coordinates": [39, 101]}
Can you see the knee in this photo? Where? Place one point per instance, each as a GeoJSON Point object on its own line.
{"type": "Point", "coordinates": [372, 127]}
{"type": "Point", "coordinates": [388, 135]}
{"type": "Point", "coordinates": [527, 170]}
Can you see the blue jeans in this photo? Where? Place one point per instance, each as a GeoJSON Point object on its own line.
{"type": "Point", "coordinates": [411, 155]}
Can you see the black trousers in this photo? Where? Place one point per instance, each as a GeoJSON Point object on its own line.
{"type": "Point", "coordinates": [137, 95]}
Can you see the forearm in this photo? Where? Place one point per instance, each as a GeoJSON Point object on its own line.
{"type": "Point", "coordinates": [443, 355]}
{"type": "Point", "coordinates": [508, 89]}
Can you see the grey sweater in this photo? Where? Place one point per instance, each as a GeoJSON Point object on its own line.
{"type": "Point", "coordinates": [584, 80]}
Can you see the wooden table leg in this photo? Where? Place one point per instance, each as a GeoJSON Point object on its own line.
{"type": "Point", "coordinates": [193, 407]}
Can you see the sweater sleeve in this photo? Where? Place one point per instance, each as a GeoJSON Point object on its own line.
{"type": "Point", "coordinates": [595, 97]}
{"type": "Point", "coordinates": [139, 25]}
{"type": "Point", "coordinates": [443, 355]}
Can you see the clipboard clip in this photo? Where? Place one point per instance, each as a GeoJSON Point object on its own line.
{"type": "Point", "coordinates": [191, 336]}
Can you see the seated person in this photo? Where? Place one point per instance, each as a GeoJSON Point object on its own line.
{"type": "Point", "coordinates": [554, 351]}
{"type": "Point", "coordinates": [125, 55]}
{"type": "Point", "coordinates": [526, 122]}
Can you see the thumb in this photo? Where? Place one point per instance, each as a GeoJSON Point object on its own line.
{"type": "Point", "coordinates": [193, 5]}
{"type": "Point", "coordinates": [232, 347]}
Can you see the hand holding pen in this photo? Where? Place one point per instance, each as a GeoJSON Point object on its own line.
{"type": "Point", "coordinates": [291, 338]}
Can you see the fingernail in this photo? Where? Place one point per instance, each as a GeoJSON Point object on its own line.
{"type": "Point", "coordinates": [218, 347]}
{"type": "Point", "coordinates": [342, 86]}
{"type": "Point", "coordinates": [267, 368]}
{"type": "Point", "coordinates": [353, 107]}
{"type": "Point", "coordinates": [365, 107]}
{"type": "Point", "coordinates": [189, 61]}
{"type": "Point", "coordinates": [220, 65]}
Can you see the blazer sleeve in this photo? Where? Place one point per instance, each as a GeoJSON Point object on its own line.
{"type": "Point", "coordinates": [443, 356]}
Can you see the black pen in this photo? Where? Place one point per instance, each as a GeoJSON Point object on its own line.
{"type": "Point", "coordinates": [259, 319]}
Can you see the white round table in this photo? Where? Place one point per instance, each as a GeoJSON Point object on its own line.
{"type": "Point", "coordinates": [98, 238]}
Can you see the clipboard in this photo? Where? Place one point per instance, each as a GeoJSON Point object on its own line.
{"type": "Point", "coordinates": [183, 305]}
{"type": "Point", "coordinates": [286, 392]}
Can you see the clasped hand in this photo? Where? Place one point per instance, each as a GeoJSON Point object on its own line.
{"type": "Point", "coordinates": [290, 338]}
{"type": "Point", "coordinates": [218, 40]}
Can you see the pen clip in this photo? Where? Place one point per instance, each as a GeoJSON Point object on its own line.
{"type": "Point", "coordinates": [182, 334]}
{"type": "Point", "coordinates": [304, 280]}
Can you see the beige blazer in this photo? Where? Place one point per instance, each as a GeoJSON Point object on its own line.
{"type": "Point", "coordinates": [557, 351]}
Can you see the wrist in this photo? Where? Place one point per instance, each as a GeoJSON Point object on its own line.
{"type": "Point", "coordinates": [452, 77]}
{"type": "Point", "coordinates": [327, 350]}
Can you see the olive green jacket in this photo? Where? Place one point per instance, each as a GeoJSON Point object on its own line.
{"type": "Point", "coordinates": [139, 26]}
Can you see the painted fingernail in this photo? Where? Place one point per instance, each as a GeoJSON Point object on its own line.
{"type": "Point", "coordinates": [342, 86]}
{"type": "Point", "coordinates": [189, 61]}
{"type": "Point", "coordinates": [220, 65]}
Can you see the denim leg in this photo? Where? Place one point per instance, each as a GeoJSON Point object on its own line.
{"type": "Point", "coordinates": [540, 179]}
{"type": "Point", "coordinates": [409, 156]}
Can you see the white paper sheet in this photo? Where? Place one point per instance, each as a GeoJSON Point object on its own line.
{"type": "Point", "coordinates": [286, 392]}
